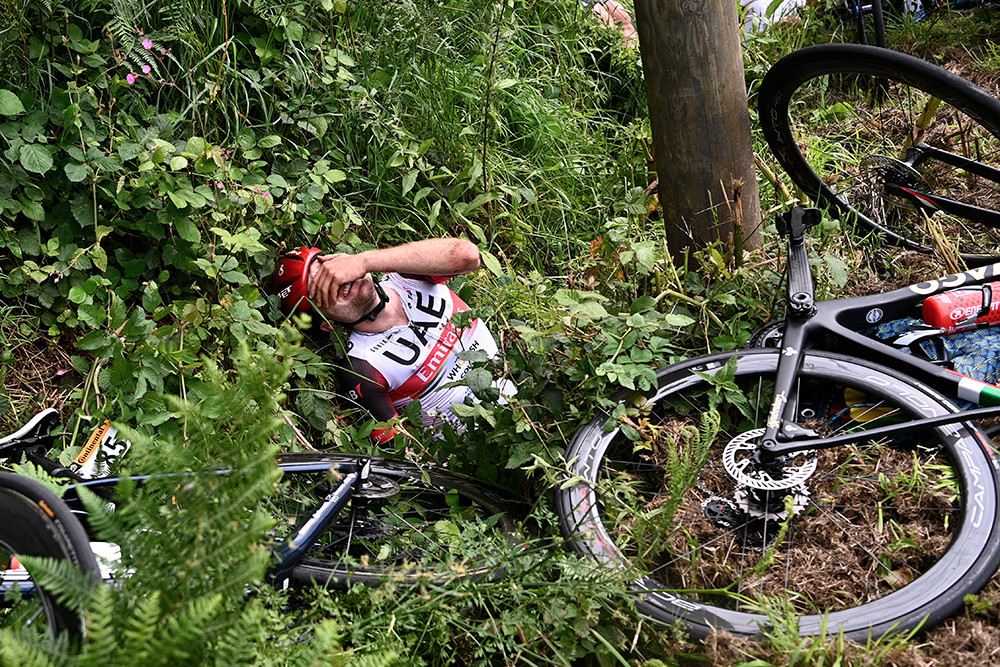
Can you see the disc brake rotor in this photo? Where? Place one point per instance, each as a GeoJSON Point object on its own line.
{"type": "Point", "coordinates": [738, 459]}
{"type": "Point", "coordinates": [376, 486]}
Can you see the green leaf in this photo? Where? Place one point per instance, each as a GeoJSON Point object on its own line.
{"type": "Point", "coordinates": [35, 158]}
{"type": "Point", "coordinates": [294, 31]}
{"type": "Point", "coordinates": [10, 105]}
{"type": "Point", "coordinates": [99, 257]}
{"type": "Point", "coordinates": [491, 263]}
{"type": "Point", "coordinates": [335, 176]}
{"type": "Point", "coordinates": [93, 341]}
{"type": "Point", "coordinates": [409, 180]}
{"type": "Point", "coordinates": [187, 229]}
{"type": "Point", "coordinates": [151, 297]}
{"type": "Point", "coordinates": [128, 150]}
{"type": "Point", "coordinates": [104, 162]}
{"type": "Point", "coordinates": [195, 147]}
{"type": "Point", "coordinates": [75, 171]}
{"type": "Point", "coordinates": [92, 315]}
{"type": "Point", "coordinates": [33, 210]}
{"type": "Point", "coordinates": [678, 320]}
{"type": "Point", "coordinates": [77, 294]}
{"type": "Point", "coordinates": [270, 141]}
{"type": "Point", "coordinates": [83, 211]}
{"type": "Point", "coordinates": [478, 379]}
{"type": "Point", "coordinates": [177, 199]}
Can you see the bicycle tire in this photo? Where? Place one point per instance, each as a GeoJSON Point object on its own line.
{"type": "Point", "coordinates": [705, 566]}
{"type": "Point", "coordinates": [38, 523]}
{"type": "Point", "coordinates": [416, 534]}
{"type": "Point", "coordinates": [839, 119]}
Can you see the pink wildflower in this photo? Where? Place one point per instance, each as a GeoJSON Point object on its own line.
{"type": "Point", "coordinates": [146, 69]}
{"type": "Point", "coordinates": [266, 194]}
{"type": "Point", "coordinates": [147, 43]}
{"type": "Point", "coordinates": [130, 77]}
{"type": "Point", "coordinates": [218, 184]}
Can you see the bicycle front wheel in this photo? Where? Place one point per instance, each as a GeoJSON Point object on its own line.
{"type": "Point", "coordinates": [408, 524]}
{"type": "Point", "coordinates": [37, 523]}
{"type": "Point", "coordinates": [871, 538]}
{"type": "Point", "coordinates": [847, 123]}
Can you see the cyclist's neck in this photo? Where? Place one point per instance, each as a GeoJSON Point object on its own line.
{"type": "Point", "coordinates": [393, 315]}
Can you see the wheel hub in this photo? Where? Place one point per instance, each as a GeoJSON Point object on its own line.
{"type": "Point", "coordinates": [888, 169]}
{"type": "Point", "coordinates": [757, 507]}
{"type": "Point", "coordinates": [376, 486]}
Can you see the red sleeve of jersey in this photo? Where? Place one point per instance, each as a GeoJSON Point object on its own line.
{"type": "Point", "coordinates": [365, 385]}
{"type": "Point", "coordinates": [440, 280]}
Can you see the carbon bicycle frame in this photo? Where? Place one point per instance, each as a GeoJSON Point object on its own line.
{"type": "Point", "coordinates": [352, 470]}
{"type": "Point", "coordinates": [933, 202]}
{"type": "Point", "coordinates": [836, 325]}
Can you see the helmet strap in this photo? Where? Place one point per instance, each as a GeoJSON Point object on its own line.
{"type": "Point", "coordinates": [383, 299]}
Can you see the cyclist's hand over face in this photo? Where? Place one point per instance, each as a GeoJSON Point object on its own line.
{"type": "Point", "coordinates": [329, 273]}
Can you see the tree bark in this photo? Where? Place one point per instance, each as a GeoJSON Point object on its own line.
{"type": "Point", "coordinates": [695, 87]}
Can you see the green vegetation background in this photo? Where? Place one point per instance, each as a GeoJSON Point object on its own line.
{"type": "Point", "coordinates": [154, 160]}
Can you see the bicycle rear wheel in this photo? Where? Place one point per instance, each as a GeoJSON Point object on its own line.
{"type": "Point", "coordinates": [843, 121]}
{"type": "Point", "coordinates": [37, 523]}
{"type": "Point", "coordinates": [408, 525]}
{"type": "Point", "coordinates": [878, 537]}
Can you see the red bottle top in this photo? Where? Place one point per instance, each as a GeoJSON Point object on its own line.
{"type": "Point", "coordinates": [963, 306]}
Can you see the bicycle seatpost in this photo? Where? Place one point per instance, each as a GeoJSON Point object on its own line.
{"type": "Point", "coordinates": [793, 224]}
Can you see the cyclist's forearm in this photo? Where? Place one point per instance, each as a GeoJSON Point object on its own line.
{"type": "Point", "coordinates": [430, 257]}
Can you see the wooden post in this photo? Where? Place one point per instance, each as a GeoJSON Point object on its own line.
{"type": "Point", "coordinates": [693, 65]}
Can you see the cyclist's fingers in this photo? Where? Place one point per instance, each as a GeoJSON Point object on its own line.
{"type": "Point", "coordinates": [321, 282]}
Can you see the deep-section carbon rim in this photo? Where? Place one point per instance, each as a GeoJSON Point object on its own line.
{"type": "Point", "coordinates": [883, 536]}
{"type": "Point", "coordinates": [838, 116]}
{"type": "Point", "coordinates": [37, 523]}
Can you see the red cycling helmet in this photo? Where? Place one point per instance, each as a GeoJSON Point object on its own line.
{"type": "Point", "coordinates": [291, 278]}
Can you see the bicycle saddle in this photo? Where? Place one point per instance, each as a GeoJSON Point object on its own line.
{"type": "Point", "coordinates": [38, 429]}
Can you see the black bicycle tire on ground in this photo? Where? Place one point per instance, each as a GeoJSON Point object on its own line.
{"type": "Point", "coordinates": [485, 502]}
{"type": "Point", "coordinates": [38, 523]}
{"type": "Point", "coordinates": [596, 526]}
{"type": "Point", "coordinates": [794, 74]}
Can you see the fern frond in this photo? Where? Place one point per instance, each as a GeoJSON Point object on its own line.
{"type": "Point", "coordinates": [101, 643]}
{"type": "Point", "coordinates": [55, 484]}
{"type": "Point", "coordinates": [326, 649]}
{"type": "Point", "coordinates": [187, 632]}
{"type": "Point", "coordinates": [140, 628]}
{"type": "Point", "coordinates": [23, 647]}
{"type": "Point", "coordinates": [235, 645]}
{"type": "Point", "coordinates": [101, 517]}
{"type": "Point", "coordinates": [62, 579]}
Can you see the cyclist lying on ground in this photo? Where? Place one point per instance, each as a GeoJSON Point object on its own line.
{"type": "Point", "coordinates": [402, 345]}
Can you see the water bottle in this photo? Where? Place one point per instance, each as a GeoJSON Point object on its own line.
{"type": "Point", "coordinates": [963, 307]}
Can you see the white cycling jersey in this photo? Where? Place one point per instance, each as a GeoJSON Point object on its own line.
{"type": "Point", "coordinates": [419, 360]}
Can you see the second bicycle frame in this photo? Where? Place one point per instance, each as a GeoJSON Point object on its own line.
{"type": "Point", "coordinates": [836, 325]}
